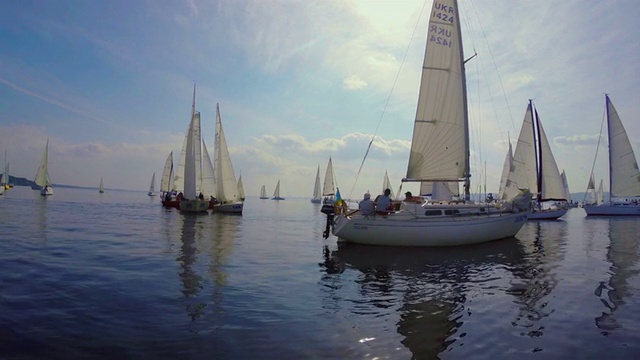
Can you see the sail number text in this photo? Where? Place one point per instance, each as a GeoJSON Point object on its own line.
{"type": "Point", "coordinates": [439, 34]}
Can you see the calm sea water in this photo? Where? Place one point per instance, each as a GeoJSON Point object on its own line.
{"type": "Point", "coordinates": [114, 275]}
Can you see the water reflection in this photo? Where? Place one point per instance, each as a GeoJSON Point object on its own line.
{"type": "Point", "coordinates": [622, 254]}
{"type": "Point", "coordinates": [206, 243]}
{"type": "Point", "coordinates": [535, 277]}
{"type": "Point", "coordinates": [424, 289]}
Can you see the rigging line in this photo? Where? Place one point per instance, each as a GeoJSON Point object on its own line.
{"type": "Point", "coordinates": [384, 109]}
{"type": "Point", "coordinates": [595, 158]}
{"type": "Point", "coordinates": [504, 94]}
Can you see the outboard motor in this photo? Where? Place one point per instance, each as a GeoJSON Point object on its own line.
{"type": "Point", "coordinates": [329, 210]}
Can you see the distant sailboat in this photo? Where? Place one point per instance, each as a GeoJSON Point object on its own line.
{"type": "Point", "coordinates": [386, 184]}
{"type": "Point", "coordinates": [42, 176]}
{"type": "Point", "coordinates": [263, 193]}
{"type": "Point", "coordinates": [328, 188]}
{"type": "Point", "coordinates": [166, 181]}
{"type": "Point", "coordinates": [624, 175]}
{"type": "Point", "coordinates": [317, 191]}
{"type": "Point", "coordinates": [152, 187]}
{"type": "Point", "coordinates": [5, 175]}
{"type": "Point", "coordinates": [533, 167]}
{"type": "Point", "coordinates": [240, 188]}
{"type": "Point", "coordinates": [276, 193]}
{"type": "Point", "coordinates": [227, 192]}
{"type": "Point", "coordinates": [101, 187]}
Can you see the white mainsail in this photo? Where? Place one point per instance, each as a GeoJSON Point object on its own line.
{"type": "Point", "coordinates": [166, 181]}
{"type": "Point", "coordinates": [317, 191]}
{"type": "Point", "coordinates": [263, 192]}
{"type": "Point", "coordinates": [506, 169]}
{"type": "Point", "coordinates": [440, 143]}
{"type": "Point", "coordinates": [152, 185]}
{"type": "Point", "coordinates": [600, 194]}
{"type": "Point", "coordinates": [240, 188]}
{"type": "Point", "coordinates": [565, 182]}
{"type": "Point", "coordinates": [193, 157]}
{"type": "Point", "coordinates": [624, 174]}
{"type": "Point", "coordinates": [208, 176]}
{"type": "Point", "coordinates": [226, 184]}
{"type": "Point", "coordinates": [328, 188]}
{"type": "Point", "coordinates": [42, 176]}
{"type": "Point", "coordinates": [533, 165]}
{"type": "Point", "coordinates": [276, 192]}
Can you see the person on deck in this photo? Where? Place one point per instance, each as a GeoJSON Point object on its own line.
{"type": "Point", "coordinates": [383, 202]}
{"type": "Point", "coordinates": [366, 205]}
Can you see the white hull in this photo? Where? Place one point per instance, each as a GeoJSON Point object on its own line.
{"type": "Point", "coordinates": [613, 209]}
{"type": "Point", "coordinates": [194, 206]}
{"type": "Point", "coordinates": [547, 214]}
{"type": "Point", "coordinates": [410, 229]}
{"type": "Point", "coordinates": [229, 208]}
{"type": "Point", "coordinates": [46, 192]}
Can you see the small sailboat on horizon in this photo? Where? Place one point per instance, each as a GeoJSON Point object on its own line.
{"type": "Point", "coordinates": [263, 193]}
{"type": "Point", "coordinates": [276, 193]}
{"type": "Point", "coordinates": [101, 187]}
{"type": "Point", "coordinates": [152, 187]}
{"type": "Point", "coordinates": [317, 191]}
{"type": "Point", "coordinates": [42, 176]}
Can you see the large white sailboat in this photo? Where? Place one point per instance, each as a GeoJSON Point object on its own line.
{"type": "Point", "coordinates": [533, 167]}
{"type": "Point", "coordinates": [42, 176]}
{"type": "Point", "coordinates": [439, 153]}
{"type": "Point", "coordinates": [317, 191]}
{"type": "Point", "coordinates": [227, 192]}
{"type": "Point", "coordinates": [192, 202]}
{"type": "Point", "coordinates": [624, 176]}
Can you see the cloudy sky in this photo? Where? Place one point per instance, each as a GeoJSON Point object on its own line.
{"type": "Point", "coordinates": [110, 84]}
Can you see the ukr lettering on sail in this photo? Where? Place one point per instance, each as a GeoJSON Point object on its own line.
{"type": "Point", "coordinates": [440, 35]}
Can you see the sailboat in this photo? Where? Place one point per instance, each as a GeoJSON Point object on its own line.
{"type": "Point", "coordinates": [5, 174]}
{"type": "Point", "coordinates": [317, 191]}
{"type": "Point", "coordinates": [152, 187]}
{"type": "Point", "coordinates": [192, 200]}
{"type": "Point", "coordinates": [227, 192]}
{"type": "Point", "coordinates": [439, 152]}
{"type": "Point", "coordinates": [101, 187]}
{"type": "Point", "coordinates": [533, 167]}
{"type": "Point", "coordinates": [624, 176]}
{"type": "Point", "coordinates": [241, 188]}
{"type": "Point", "coordinates": [168, 197]}
{"type": "Point", "coordinates": [263, 193]}
{"type": "Point", "coordinates": [276, 193]}
{"type": "Point", "coordinates": [42, 176]}
{"type": "Point", "coordinates": [386, 184]}
{"type": "Point", "coordinates": [328, 187]}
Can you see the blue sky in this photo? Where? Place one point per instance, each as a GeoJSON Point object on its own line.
{"type": "Point", "coordinates": [110, 84]}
